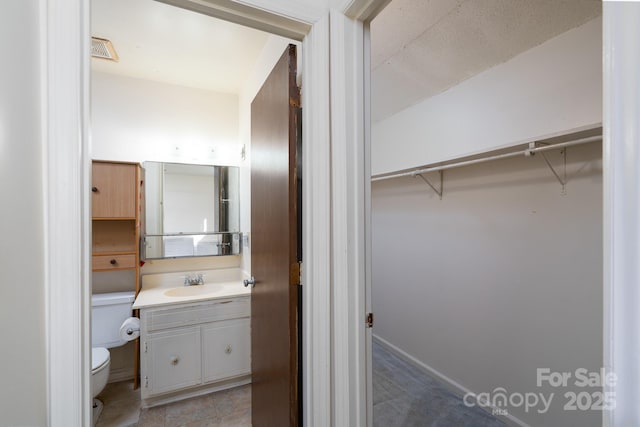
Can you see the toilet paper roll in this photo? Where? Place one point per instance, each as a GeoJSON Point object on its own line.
{"type": "Point", "coordinates": [130, 329]}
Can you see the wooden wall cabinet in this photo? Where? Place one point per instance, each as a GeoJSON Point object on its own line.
{"type": "Point", "coordinates": [116, 217]}
{"type": "Point", "coordinates": [115, 190]}
{"type": "Point", "coordinates": [116, 211]}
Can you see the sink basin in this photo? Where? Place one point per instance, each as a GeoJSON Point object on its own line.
{"type": "Point", "coordinates": [198, 290]}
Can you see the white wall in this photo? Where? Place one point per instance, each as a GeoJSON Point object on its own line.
{"type": "Point", "coordinates": [500, 277]}
{"type": "Point", "coordinates": [272, 51]}
{"type": "Point", "coordinates": [22, 313]}
{"type": "Point", "coordinates": [136, 120]}
{"type": "Point", "coordinates": [552, 88]}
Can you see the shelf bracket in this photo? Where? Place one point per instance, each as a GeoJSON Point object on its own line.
{"type": "Point", "coordinates": [562, 180]}
{"type": "Point", "coordinates": [438, 192]}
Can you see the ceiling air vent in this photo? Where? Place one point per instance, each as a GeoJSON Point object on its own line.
{"type": "Point", "coordinates": [102, 48]}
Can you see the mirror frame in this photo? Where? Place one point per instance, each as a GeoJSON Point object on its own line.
{"type": "Point", "coordinates": [190, 243]}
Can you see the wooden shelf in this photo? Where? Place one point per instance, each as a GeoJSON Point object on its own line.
{"type": "Point", "coordinates": [115, 253]}
{"type": "Point", "coordinates": [114, 237]}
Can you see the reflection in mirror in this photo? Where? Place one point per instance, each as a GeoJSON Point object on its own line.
{"type": "Point", "coordinates": [191, 210]}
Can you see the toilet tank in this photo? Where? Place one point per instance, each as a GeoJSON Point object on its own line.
{"type": "Point", "coordinates": [108, 311]}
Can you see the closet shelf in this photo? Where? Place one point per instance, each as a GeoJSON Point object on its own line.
{"type": "Point", "coordinates": [534, 147]}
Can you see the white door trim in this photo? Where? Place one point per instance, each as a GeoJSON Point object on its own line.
{"type": "Point", "coordinates": [363, 10]}
{"type": "Point", "coordinates": [347, 214]}
{"type": "Point", "coordinates": [292, 20]}
{"type": "Point", "coordinates": [316, 222]}
{"type": "Point", "coordinates": [368, 356]}
{"type": "Point", "coordinates": [66, 164]}
{"type": "Point", "coordinates": [621, 166]}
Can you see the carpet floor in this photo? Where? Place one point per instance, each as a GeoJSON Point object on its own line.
{"type": "Point", "coordinates": [405, 396]}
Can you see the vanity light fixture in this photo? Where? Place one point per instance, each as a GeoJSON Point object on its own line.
{"type": "Point", "coordinates": [103, 48]}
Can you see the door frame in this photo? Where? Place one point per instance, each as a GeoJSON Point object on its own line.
{"type": "Point", "coordinates": [65, 84]}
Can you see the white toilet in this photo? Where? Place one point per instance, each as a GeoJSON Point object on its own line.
{"type": "Point", "coordinates": [108, 312]}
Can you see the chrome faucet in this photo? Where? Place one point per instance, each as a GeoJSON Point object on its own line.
{"type": "Point", "coordinates": [194, 280]}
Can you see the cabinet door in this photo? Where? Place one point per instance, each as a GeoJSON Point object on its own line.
{"type": "Point", "coordinates": [173, 360]}
{"type": "Point", "coordinates": [226, 349]}
{"type": "Point", "coordinates": [113, 190]}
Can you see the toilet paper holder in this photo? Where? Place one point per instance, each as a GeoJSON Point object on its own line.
{"type": "Point", "coordinates": [130, 331]}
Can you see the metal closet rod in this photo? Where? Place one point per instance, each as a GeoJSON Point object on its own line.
{"type": "Point", "coordinates": [526, 152]}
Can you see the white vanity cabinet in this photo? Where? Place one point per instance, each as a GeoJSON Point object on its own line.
{"type": "Point", "coordinates": [173, 360]}
{"type": "Point", "coordinates": [226, 349]}
{"type": "Point", "coordinates": [192, 348]}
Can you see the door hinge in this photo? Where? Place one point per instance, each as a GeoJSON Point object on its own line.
{"type": "Point", "coordinates": [145, 346]}
{"type": "Point", "coordinates": [369, 321]}
{"type": "Point", "coordinates": [146, 382]}
{"type": "Point", "coordinates": [300, 273]}
{"type": "Point", "coordinates": [295, 273]}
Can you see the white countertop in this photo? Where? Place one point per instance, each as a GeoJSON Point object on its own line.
{"type": "Point", "coordinates": [168, 288]}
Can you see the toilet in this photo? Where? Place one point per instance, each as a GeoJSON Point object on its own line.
{"type": "Point", "coordinates": [108, 312]}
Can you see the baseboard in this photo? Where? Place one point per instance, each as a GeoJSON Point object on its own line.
{"type": "Point", "coordinates": [167, 398]}
{"type": "Point", "coordinates": [122, 374]}
{"type": "Point", "coordinates": [454, 386]}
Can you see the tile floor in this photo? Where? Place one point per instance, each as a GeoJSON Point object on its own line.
{"type": "Point", "coordinates": [405, 396]}
{"type": "Point", "coordinates": [229, 408]}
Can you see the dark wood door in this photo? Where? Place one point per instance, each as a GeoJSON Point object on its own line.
{"type": "Point", "coordinates": [274, 244]}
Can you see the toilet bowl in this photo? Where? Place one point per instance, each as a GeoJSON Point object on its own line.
{"type": "Point", "coordinates": [108, 312]}
{"type": "Point", "coordinates": [100, 363]}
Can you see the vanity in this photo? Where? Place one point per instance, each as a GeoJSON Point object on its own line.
{"type": "Point", "coordinates": [193, 339]}
{"type": "Point", "coordinates": [194, 326]}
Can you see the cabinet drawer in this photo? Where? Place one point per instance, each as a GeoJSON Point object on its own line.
{"type": "Point", "coordinates": [215, 310]}
{"type": "Point", "coordinates": [113, 262]}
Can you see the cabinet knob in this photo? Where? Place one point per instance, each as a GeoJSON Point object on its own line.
{"type": "Point", "coordinates": [113, 262]}
{"type": "Point", "coordinates": [175, 360]}
{"type": "Point", "coordinates": [228, 350]}
{"type": "Point", "coordinates": [94, 189]}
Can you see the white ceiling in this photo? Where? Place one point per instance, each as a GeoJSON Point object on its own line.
{"type": "Point", "coordinates": [167, 44]}
{"type": "Point", "coordinates": [420, 48]}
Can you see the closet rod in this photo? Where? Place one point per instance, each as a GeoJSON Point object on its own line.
{"type": "Point", "coordinates": [526, 152]}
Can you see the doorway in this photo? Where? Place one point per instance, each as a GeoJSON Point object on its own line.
{"type": "Point", "coordinates": [147, 107]}
{"type": "Point", "coordinates": [462, 252]}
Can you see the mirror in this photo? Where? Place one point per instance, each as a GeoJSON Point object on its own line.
{"type": "Point", "coordinates": [191, 210]}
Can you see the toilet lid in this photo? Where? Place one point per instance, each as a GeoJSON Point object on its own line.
{"type": "Point", "coordinates": [99, 356]}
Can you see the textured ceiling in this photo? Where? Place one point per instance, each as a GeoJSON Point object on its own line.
{"type": "Point", "coordinates": [164, 43]}
{"type": "Point", "coordinates": [420, 48]}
